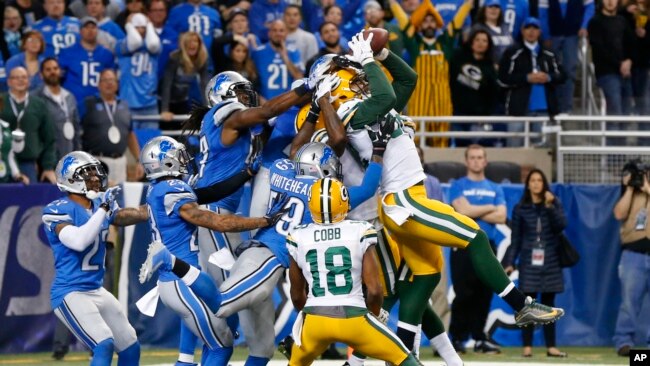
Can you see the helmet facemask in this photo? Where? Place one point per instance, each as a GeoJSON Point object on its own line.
{"type": "Point", "coordinates": [244, 93]}
{"type": "Point", "coordinates": [94, 179]}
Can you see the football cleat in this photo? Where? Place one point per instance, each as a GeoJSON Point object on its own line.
{"type": "Point", "coordinates": [285, 346]}
{"type": "Point", "coordinates": [158, 257]}
{"type": "Point", "coordinates": [536, 313]}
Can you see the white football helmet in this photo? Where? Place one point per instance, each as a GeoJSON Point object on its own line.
{"type": "Point", "coordinates": [75, 168]}
{"type": "Point", "coordinates": [164, 157]}
{"type": "Point", "coordinates": [318, 160]}
{"type": "Point", "coordinates": [230, 85]}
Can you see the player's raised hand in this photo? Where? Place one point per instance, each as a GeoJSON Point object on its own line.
{"type": "Point", "coordinates": [361, 50]}
{"type": "Point", "coordinates": [277, 210]}
{"type": "Point", "coordinates": [109, 200]}
{"type": "Point", "coordinates": [325, 87]}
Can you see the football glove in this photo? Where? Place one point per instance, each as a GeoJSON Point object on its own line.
{"type": "Point", "coordinates": [109, 200]}
{"type": "Point", "coordinates": [277, 210]}
{"type": "Point", "coordinates": [361, 50]}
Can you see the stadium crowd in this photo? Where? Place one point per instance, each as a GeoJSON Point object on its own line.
{"type": "Point", "coordinates": [76, 74]}
{"type": "Point", "coordinates": [497, 57]}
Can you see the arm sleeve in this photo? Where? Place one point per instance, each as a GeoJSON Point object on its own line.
{"type": "Point", "coordinates": [557, 217]}
{"type": "Point", "coordinates": [368, 239]}
{"type": "Point", "coordinates": [507, 75]}
{"type": "Point", "coordinates": [13, 166]}
{"type": "Point", "coordinates": [400, 15]}
{"type": "Point", "coordinates": [79, 238]}
{"type": "Point", "coordinates": [381, 101]}
{"type": "Point", "coordinates": [133, 39]}
{"type": "Point", "coordinates": [151, 40]}
{"type": "Point", "coordinates": [292, 247]}
{"type": "Point", "coordinates": [221, 189]}
{"type": "Point", "coordinates": [404, 79]}
{"type": "Point", "coordinates": [369, 186]}
{"type": "Point", "coordinates": [459, 18]}
{"type": "Point", "coordinates": [590, 10]}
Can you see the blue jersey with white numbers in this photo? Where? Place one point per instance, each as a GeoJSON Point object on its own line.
{"type": "Point", "coordinates": [283, 180]}
{"type": "Point", "coordinates": [58, 34]}
{"type": "Point", "coordinates": [81, 69]}
{"type": "Point", "coordinates": [74, 271]}
{"type": "Point", "coordinates": [283, 133]}
{"type": "Point", "coordinates": [217, 162]}
{"type": "Point", "coordinates": [164, 200]}
{"type": "Point", "coordinates": [201, 19]}
{"type": "Point", "coordinates": [448, 10]}
{"type": "Point", "coordinates": [138, 75]}
{"type": "Point", "coordinates": [514, 13]}
{"type": "Point", "coordinates": [273, 72]}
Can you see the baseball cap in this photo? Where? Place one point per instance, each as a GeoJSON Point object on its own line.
{"type": "Point", "coordinates": [87, 19]}
{"type": "Point", "coordinates": [489, 3]}
{"type": "Point", "coordinates": [531, 22]}
{"type": "Point", "coordinates": [371, 4]}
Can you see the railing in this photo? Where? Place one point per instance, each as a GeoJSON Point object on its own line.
{"type": "Point", "coordinates": [586, 150]}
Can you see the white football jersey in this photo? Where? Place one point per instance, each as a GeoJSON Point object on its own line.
{"type": "Point", "coordinates": [402, 167]}
{"type": "Point", "coordinates": [331, 259]}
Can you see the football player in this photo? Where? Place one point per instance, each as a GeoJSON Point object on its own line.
{"type": "Point", "coordinates": [174, 215]}
{"type": "Point", "coordinates": [419, 224]}
{"type": "Point", "coordinates": [331, 259]}
{"type": "Point", "coordinates": [76, 227]}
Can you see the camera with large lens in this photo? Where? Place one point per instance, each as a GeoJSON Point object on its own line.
{"type": "Point", "coordinates": [637, 170]}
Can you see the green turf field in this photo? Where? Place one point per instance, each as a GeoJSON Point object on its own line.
{"type": "Point", "coordinates": [577, 355]}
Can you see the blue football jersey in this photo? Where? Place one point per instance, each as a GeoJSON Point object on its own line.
{"type": "Point", "coordinates": [284, 180]}
{"type": "Point", "coordinates": [448, 10]}
{"type": "Point", "coordinates": [81, 69]}
{"type": "Point", "coordinates": [58, 34]}
{"type": "Point", "coordinates": [201, 19]}
{"type": "Point", "coordinates": [217, 162]}
{"type": "Point", "coordinates": [283, 133]}
{"type": "Point", "coordinates": [74, 271]}
{"type": "Point", "coordinates": [164, 200]}
{"type": "Point", "coordinates": [273, 72]}
{"type": "Point", "coordinates": [514, 13]}
{"type": "Point", "coordinates": [138, 75]}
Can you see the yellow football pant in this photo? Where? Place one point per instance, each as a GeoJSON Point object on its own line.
{"type": "Point", "coordinates": [364, 333]}
{"type": "Point", "coordinates": [431, 224]}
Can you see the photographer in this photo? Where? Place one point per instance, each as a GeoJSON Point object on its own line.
{"type": "Point", "coordinates": [632, 210]}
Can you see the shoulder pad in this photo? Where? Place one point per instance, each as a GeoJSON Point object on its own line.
{"type": "Point", "coordinates": [224, 109]}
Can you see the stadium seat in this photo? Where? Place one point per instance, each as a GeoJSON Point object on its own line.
{"type": "Point", "coordinates": [446, 171]}
{"type": "Point", "coordinates": [503, 172]}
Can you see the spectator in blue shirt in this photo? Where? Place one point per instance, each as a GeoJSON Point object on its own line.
{"type": "Point", "coordinates": [12, 27]}
{"type": "Point", "coordinates": [262, 14]}
{"type": "Point", "coordinates": [83, 62]}
{"type": "Point", "coordinates": [58, 30]}
{"type": "Point", "coordinates": [109, 32]}
{"type": "Point", "coordinates": [31, 58]}
{"type": "Point", "coordinates": [157, 13]}
{"type": "Point", "coordinates": [484, 201]}
{"type": "Point", "coordinates": [196, 17]}
{"type": "Point", "coordinates": [278, 65]}
{"type": "Point", "coordinates": [138, 57]}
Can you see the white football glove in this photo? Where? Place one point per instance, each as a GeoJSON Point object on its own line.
{"type": "Point", "coordinates": [361, 50]}
{"type": "Point", "coordinates": [326, 85]}
{"type": "Point", "coordinates": [109, 200]}
{"type": "Point", "coordinates": [313, 80]}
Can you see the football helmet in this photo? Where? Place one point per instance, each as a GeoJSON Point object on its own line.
{"type": "Point", "coordinates": [77, 167]}
{"type": "Point", "coordinates": [164, 157]}
{"type": "Point", "coordinates": [317, 160]}
{"type": "Point", "coordinates": [329, 201]}
{"type": "Point", "coordinates": [230, 85]}
{"type": "Point", "coordinates": [353, 84]}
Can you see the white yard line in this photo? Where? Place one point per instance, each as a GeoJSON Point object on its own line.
{"type": "Point", "coordinates": [426, 363]}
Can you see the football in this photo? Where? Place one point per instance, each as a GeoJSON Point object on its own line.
{"type": "Point", "coordinates": [379, 38]}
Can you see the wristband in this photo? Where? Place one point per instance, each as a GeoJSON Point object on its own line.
{"type": "Point", "coordinates": [382, 55]}
{"type": "Point", "coordinates": [301, 90]}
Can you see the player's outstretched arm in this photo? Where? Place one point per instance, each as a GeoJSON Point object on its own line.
{"type": "Point", "coordinates": [131, 216]}
{"type": "Point", "coordinates": [273, 108]}
{"type": "Point", "coordinates": [404, 77]}
{"type": "Point", "coordinates": [298, 285]}
{"type": "Point", "coordinates": [370, 276]}
{"type": "Point", "coordinates": [192, 213]}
